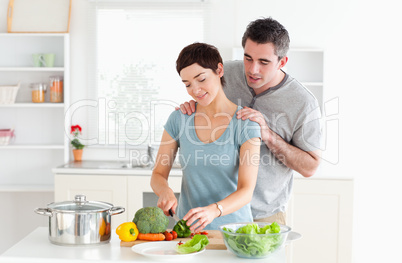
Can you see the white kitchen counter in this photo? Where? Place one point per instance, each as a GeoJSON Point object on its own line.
{"type": "Point", "coordinates": [37, 248]}
{"type": "Point", "coordinates": [106, 168]}
{"type": "Point", "coordinates": [115, 168]}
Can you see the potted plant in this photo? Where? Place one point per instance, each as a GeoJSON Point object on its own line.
{"type": "Point", "coordinates": [77, 145]}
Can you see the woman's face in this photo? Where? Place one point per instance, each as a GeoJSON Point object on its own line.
{"type": "Point", "coordinates": [202, 84]}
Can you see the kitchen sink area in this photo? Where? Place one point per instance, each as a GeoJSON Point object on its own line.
{"type": "Point", "coordinates": [106, 165]}
{"type": "Point", "coordinates": [111, 167]}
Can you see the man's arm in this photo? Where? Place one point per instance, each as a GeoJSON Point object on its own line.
{"type": "Point", "coordinates": [303, 162]}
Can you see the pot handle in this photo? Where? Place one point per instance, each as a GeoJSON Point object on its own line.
{"type": "Point", "coordinates": [292, 236]}
{"type": "Point", "coordinates": [116, 210]}
{"type": "Point", "coordinates": [43, 211]}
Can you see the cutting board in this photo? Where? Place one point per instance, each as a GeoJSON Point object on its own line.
{"type": "Point", "coordinates": [214, 237]}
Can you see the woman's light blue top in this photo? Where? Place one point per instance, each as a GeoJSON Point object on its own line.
{"type": "Point", "coordinates": [210, 171]}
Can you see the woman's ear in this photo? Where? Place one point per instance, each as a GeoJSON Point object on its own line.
{"type": "Point", "coordinates": [220, 70]}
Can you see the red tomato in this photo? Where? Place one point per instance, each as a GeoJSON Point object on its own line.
{"type": "Point", "coordinates": [174, 234]}
{"type": "Point", "coordinates": [168, 236]}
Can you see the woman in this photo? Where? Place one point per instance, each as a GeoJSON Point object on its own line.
{"type": "Point", "coordinates": [219, 154]}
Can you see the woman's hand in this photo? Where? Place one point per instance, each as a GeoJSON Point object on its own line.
{"type": "Point", "coordinates": [205, 215]}
{"type": "Point", "coordinates": [167, 200]}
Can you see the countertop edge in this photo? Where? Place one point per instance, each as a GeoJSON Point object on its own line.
{"type": "Point", "coordinates": [173, 172]}
{"type": "Point", "coordinates": [96, 171]}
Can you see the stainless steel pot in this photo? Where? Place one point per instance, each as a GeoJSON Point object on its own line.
{"type": "Point", "coordinates": [79, 222]}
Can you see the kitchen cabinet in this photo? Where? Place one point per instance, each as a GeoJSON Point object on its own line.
{"type": "Point", "coordinates": [40, 138]}
{"type": "Point", "coordinates": [321, 209]}
{"type": "Point", "coordinates": [106, 188]}
{"type": "Point", "coordinates": [18, 218]}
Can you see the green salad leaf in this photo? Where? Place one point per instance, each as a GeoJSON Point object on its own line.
{"type": "Point", "coordinates": [254, 244]}
{"type": "Point", "coordinates": [197, 243]}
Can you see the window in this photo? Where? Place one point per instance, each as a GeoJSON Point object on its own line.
{"type": "Point", "coordinates": [132, 75]}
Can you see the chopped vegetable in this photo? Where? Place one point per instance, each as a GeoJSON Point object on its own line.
{"type": "Point", "coordinates": [198, 243]}
{"type": "Point", "coordinates": [199, 233]}
{"type": "Point", "coordinates": [254, 244]}
{"type": "Point", "coordinates": [127, 231]}
{"type": "Point", "coordinates": [151, 237]}
{"type": "Point", "coordinates": [182, 229]}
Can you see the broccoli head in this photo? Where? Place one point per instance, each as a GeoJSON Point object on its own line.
{"type": "Point", "coordinates": [151, 220]}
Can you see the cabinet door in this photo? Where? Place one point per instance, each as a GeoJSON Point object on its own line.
{"type": "Point", "coordinates": [140, 194]}
{"type": "Point", "coordinates": [111, 189]}
{"type": "Point", "coordinates": [322, 211]}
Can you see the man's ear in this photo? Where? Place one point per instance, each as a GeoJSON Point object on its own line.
{"type": "Point", "coordinates": [282, 62]}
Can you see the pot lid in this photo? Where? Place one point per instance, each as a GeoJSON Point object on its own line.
{"type": "Point", "coordinates": [80, 204]}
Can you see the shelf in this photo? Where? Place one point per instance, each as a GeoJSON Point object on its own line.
{"type": "Point", "coordinates": [32, 147]}
{"type": "Point", "coordinates": [40, 140]}
{"type": "Point", "coordinates": [33, 69]}
{"type": "Point", "coordinates": [32, 105]}
{"type": "Point", "coordinates": [26, 188]}
{"type": "Point", "coordinates": [34, 34]}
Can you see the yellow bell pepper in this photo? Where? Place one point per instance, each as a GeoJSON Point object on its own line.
{"type": "Point", "coordinates": [102, 228]}
{"type": "Point", "coordinates": [127, 231]}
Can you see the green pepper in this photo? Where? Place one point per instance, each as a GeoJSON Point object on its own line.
{"type": "Point", "coordinates": [182, 229]}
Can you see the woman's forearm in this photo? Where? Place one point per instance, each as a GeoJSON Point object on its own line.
{"type": "Point", "coordinates": [235, 200]}
{"type": "Point", "coordinates": [158, 183]}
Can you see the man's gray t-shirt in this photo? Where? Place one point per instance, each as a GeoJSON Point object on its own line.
{"type": "Point", "coordinates": [293, 113]}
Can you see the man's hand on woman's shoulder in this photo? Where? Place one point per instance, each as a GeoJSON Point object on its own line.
{"type": "Point", "coordinates": [187, 107]}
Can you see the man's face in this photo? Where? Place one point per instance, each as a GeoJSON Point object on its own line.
{"type": "Point", "coordinates": [261, 65]}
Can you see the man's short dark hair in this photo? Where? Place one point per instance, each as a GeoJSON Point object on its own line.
{"type": "Point", "coordinates": [268, 30]}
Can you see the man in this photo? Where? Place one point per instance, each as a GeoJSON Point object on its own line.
{"type": "Point", "coordinates": [286, 111]}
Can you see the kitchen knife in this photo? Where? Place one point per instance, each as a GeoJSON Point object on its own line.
{"type": "Point", "coordinates": [175, 217]}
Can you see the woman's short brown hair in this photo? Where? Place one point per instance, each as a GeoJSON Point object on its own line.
{"type": "Point", "coordinates": [205, 55]}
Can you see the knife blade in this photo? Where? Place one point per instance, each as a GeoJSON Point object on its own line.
{"type": "Point", "coordinates": [175, 217]}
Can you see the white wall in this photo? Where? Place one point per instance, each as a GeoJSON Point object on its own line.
{"type": "Point", "coordinates": [362, 43]}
